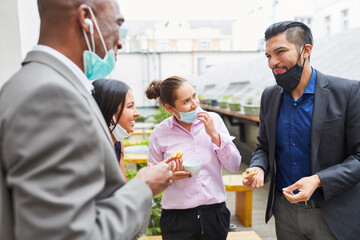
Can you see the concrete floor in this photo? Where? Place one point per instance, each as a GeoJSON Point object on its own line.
{"type": "Point", "coordinates": [265, 231]}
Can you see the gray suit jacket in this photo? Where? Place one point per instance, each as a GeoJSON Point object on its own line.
{"type": "Point", "coordinates": [335, 150]}
{"type": "Point", "coordinates": [59, 176]}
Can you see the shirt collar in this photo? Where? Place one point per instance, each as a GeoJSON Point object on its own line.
{"type": "Point", "coordinates": [310, 88]}
{"type": "Point", "coordinates": [70, 64]}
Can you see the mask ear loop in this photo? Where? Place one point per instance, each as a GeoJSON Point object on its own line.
{"type": "Point", "coordinates": [115, 123]}
{"type": "Point", "coordinates": [87, 40]}
{"type": "Point", "coordinates": [97, 29]}
{"type": "Point", "coordinates": [178, 118]}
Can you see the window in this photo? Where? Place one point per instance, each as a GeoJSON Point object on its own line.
{"type": "Point", "coordinates": [345, 19]}
{"type": "Point", "coordinates": [204, 45]}
{"type": "Point", "coordinates": [305, 20]}
{"type": "Point", "coordinates": [327, 25]}
{"type": "Point", "coordinates": [163, 46]}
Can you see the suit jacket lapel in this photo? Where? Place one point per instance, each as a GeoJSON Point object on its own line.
{"type": "Point", "coordinates": [321, 99]}
{"type": "Point", "coordinates": [275, 105]}
{"type": "Point", "coordinates": [62, 69]}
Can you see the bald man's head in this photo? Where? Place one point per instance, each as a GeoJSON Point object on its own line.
{"type": "Point", "coordinates": [63, 26]}
{"type": "Point", "coordinates": [61, 7]}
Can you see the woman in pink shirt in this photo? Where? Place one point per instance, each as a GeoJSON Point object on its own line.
{"type": "Point", "coordinates": [193, 206]}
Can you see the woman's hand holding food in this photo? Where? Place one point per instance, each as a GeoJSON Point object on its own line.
{"type": "Point", "coordinates": [210, 127]}
{"type": "Point", "coordinates": [176, 166]}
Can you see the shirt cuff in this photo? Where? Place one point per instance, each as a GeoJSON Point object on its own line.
{"type": "Point", "coordinates": [261, 168]}
{"type": "Point", "coordinates": [224, 140]}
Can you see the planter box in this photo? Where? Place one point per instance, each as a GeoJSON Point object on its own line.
{"type": "Point", "coordinates": [214, 103]}
{"type": "Point", "coordinates": [235, 107]}
{"type": "Point", "coordinates": [223, 105]}
{"type": "Point", "coordinates": [251, 109]}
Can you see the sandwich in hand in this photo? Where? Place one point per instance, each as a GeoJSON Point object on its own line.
{"type": "Point", "coordinates": [177, 155]}
{"type": "Point", "coordinates": [249, 173]}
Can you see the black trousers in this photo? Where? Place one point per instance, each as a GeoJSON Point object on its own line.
{"type": "Point", "coordinates": [207, 222]}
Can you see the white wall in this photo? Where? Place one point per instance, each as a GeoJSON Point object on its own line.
{"type": "Point", "coordinates": [19, 22]}
{"type": "Point", "coordinates": [334, 8]}
{"type": "Point", "coordinates": [10, 57]}
{"type": "Point", "coordinates": [29, 25]}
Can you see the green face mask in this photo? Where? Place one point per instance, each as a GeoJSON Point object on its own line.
{"type": "Point", "coordinates": [94, 66]}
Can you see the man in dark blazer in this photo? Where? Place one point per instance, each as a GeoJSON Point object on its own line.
{"type": "Point", "coordinates": [309, 143]}
{"type": "Point", "coordinates": [59, 176]}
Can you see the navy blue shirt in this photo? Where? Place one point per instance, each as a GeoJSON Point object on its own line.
{"type": "Point", "coordinates": [117, 147]}
{"type": "Point", "coordinates": [293, 136]}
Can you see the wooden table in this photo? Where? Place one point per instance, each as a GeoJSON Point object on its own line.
{"type": "Point", "coordinates": [243, 198]}
{"type": "Point", "coordinates": [231, 113]}
{"type": "Point", "coordinates": [242, 235]}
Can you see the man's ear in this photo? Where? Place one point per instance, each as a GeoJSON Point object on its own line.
{"type": "Point", "coordinates": [83, 13]}
{"type": "Point", "coordinates": [307, 50]}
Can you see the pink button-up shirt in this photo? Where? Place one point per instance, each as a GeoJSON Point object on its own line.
{"type": "Point", "coordinates": [207, 187]}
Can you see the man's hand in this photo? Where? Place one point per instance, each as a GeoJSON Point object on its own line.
{"type": "Point", "coordinates": [157, 177]}
{"type": "Point", "coordinates": [177, 169]}
{"type": "Point", "coordinates": [306, 187]}
{"type": "Point", "coordinates": [256, 181]}
{"type": "Point", "coordinates": [181, 175]}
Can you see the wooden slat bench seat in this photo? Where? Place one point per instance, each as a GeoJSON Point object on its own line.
{"type": "Point", "coordinates": [135, 158]}
{"type": "Point", "coordinates": [242, 235]}
{"type": "Point", "coordinates": [141, 132]}
{"type": "Point", "coordinates": [243, 198]}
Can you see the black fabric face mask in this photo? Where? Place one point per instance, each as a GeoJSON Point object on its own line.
{"type": "Point", "coordinates": [291, 78]}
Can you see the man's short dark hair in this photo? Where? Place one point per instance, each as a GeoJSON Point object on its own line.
{"type": "Point", "coordinates": [296, 32]}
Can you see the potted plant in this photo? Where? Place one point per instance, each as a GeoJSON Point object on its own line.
{"type": "Point", "coordinates": [223, 102]}
{"type": "Point", "coordinates": [252, 106]}
{"type": "Point", "coordinates": [234, 104]}
{"type": "Point", "coordinates": [161, 114]}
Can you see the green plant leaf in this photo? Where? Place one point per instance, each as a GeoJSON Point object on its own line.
{"type": "Point", "coordinates": [161, 114]}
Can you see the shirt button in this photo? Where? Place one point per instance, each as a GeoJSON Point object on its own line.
{"type": "Point", "coordinates": [293, 144]}
{"type": "Point", "coordinates": [295, 104]}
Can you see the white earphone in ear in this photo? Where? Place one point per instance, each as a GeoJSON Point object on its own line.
{"type": "Point", "coordinates": [90, 23]}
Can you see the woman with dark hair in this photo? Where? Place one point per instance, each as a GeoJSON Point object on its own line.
{"type": "Point", "coordinates": [117, 105]}
{"type": "Point", "coordinates": [193, 206]}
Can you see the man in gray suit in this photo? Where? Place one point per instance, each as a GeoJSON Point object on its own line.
{"type": "Point", "coordinates": [59, 176]}
{"type": "Point", "coordinates": [309, 140]}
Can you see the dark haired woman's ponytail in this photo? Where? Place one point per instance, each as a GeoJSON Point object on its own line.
{"type": "Point", "coordinates": [153, 91]}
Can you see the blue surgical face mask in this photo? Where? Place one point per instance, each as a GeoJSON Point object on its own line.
{"type": "Point", "coordinates": [94, 66]}
{"type": "Point", "coordinates": [189, 117]}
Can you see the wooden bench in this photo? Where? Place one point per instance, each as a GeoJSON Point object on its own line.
{"type": "Point", "coordinates": [243, 235]}
{"type": "Point", "coordinates": [135, 158]}
{"type": "Point", "coordinates": [141, 132]}
{"type": "Point", "coordinates": [243, 198]}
